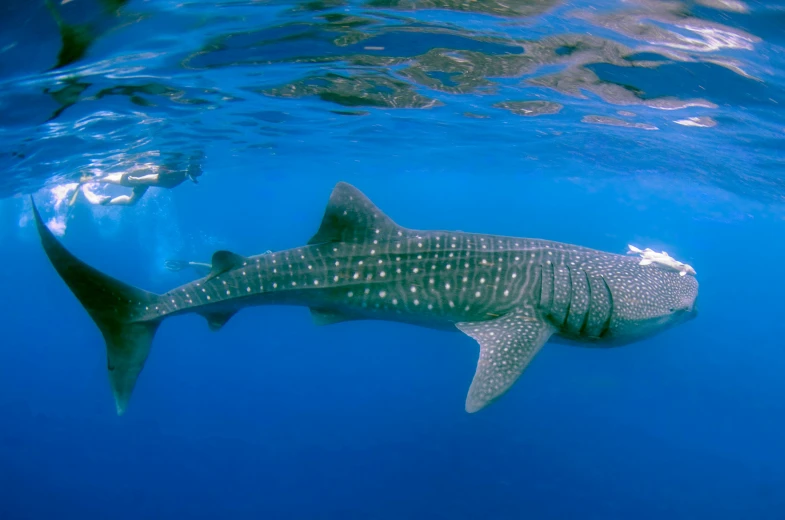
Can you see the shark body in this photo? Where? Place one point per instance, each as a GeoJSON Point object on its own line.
{"type": "Point", "coordinates": [510, 294]}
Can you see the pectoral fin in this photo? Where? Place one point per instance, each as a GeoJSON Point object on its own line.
{"type": "Point", "coordinates": [507, 345]}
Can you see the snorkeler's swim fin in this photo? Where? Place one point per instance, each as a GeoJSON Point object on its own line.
{"type": "Point", "coordinates": [73, 198]}
{"type": "Point", "coordinates": [114, 306]}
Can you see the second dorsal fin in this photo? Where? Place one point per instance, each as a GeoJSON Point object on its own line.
{"type": "Point", "coordinates": [351, 217]}
{"type": "Point", "coordinates": [225, 261]}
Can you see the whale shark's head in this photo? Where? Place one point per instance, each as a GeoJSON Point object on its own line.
{"type": "Point", "coordinates": [654, 300]}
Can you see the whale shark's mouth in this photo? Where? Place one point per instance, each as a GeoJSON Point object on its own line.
{"type": "Point", "coordinates": [694, 307]}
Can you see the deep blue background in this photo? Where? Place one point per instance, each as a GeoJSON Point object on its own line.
{"type": "Point", "coordinates": [274, 417]}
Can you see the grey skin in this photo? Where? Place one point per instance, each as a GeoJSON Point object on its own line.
{"type": "Point", "coordinates": [510, 294]}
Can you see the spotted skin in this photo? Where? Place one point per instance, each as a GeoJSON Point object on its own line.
{"type": "Point", "coordinates": [510, 294]}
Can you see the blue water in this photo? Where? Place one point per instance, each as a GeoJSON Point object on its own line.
{"type": "Point", "coordinates": [662, 126]}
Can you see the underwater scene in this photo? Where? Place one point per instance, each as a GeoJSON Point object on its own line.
{"type": "Point", "coordinates": [392, 259]}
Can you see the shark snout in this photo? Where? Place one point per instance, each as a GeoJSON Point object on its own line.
{"type": "Point", "coordinates": [694, 306]}
{"type": "Point", "coordinates": [688, 310]}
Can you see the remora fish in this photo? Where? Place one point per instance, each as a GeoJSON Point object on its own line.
{"type": "Point", "coordinates": [509, 294]}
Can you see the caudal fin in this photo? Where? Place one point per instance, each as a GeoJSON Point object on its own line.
{"type": "Point", "coordinates": [114, 306]}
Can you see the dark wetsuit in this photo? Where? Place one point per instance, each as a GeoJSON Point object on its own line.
{"type": "Point", "coordinates": [166, 179]}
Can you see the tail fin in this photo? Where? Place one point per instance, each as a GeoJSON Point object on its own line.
{"type": "Point", "coordinates": [114, 307]}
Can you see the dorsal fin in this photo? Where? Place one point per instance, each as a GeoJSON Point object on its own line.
{"type": "Point", "coordinates": [351, 217]}
{"type": "Point", "coordinates": [225, 261]}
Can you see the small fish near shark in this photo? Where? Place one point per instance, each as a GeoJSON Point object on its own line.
{"type": "Point", "coordinates": [510, 294]}
{"type": "Point", "coordinates": [650, 256]}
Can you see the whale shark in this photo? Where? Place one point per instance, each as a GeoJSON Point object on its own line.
{"type": "Point", "coordinates": [511, 295]}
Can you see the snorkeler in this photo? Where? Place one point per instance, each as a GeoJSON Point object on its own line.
{"type": "Point", "coordinates": [201, 268]}
{"type": "Point", "coordinates": [160, 177]}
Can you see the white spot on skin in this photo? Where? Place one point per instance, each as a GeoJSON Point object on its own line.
{"type": "Point", "coordinates": [275, 286]}
{"type": "Point", "coordinates": [248, 289]}
{"type": "Point", "coordinates": [335, 278]}
{"type": "Point", "coordinates": [350, 294]}
{"type": "Point", "coordinates": [447, 286]}
{"type": "Point", "coordinates": [382, 274]}
{"type": "Point", "coordinates": [477, 294]}
{"type": "Point", "coordinates": [413, 289]}
{"type": "Point", "coordinates": [395, 301]}
{"type": "Point", "coordinates": [417, 302]}
{"type": "Point", "coordinates": [294, 284]}
{"type": "Point", "coordinates": [316, 282]}
{"type": "Point", "coordinates": [382, 294]}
